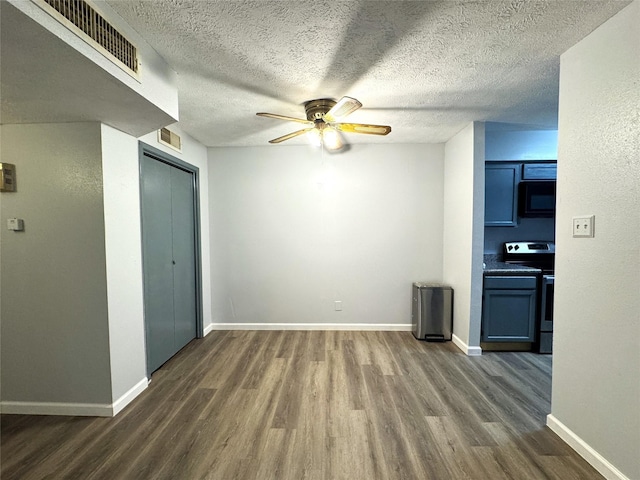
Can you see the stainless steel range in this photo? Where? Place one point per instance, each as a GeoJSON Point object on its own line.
{"type": "Point", "coordinates": [538, 255]}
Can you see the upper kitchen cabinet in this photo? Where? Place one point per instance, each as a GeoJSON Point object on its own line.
{"type": "Point", "coordinates": [539, 171]}
{"type": "Point", "coordinates": [501, 194]}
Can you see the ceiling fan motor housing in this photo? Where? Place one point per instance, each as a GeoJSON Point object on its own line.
{"type": "Point", "coordinates": [316, 109]}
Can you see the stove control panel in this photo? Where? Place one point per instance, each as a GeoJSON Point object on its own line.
{"type": "Point", "coordinates": [530, 247]}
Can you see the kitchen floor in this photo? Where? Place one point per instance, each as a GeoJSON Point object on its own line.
{"type": "Point", "coordinates": [313, 405]}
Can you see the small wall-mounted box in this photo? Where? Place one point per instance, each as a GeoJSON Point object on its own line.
{"type": "Point", "coordinates": [7, 177]}
{"type": "Point", "coordinates": [15, 224]}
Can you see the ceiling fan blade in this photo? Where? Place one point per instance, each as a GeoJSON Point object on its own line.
{"type": "Point", "coordinates": [284, 117]}
{"type": "Point", "coordinates": [344, 107]}
{"type": "Point", "coordinates": [361, 128]}
{"type": "Point", "coordinates": [290, 135]}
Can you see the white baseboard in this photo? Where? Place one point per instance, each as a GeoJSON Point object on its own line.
{"type": "Point", "coordinates": [55, 408]}
{"type": "Point", "coordinates": [583, 449]}
{"type": "Point", "coordinates": [470, 351]}
{"type": "Point", "coordinates": [208, 329]}
{"type": "Point", "coordinates": [385, 327]}
{"type": "Point", "coordinates": [128, 397]}
{"type": "Point", "coordinates": [75, 409]}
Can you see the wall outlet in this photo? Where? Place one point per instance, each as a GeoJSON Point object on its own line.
{"type": "Point", "coordinates": [337, 305]}
{"type": "Point", "coordinates": [584, 226]}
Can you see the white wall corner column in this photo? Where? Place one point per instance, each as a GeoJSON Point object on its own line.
{"type": "Point", "coordinates": [122, 221]}
{"type": "Point", "coordinates": [595, 404]}
{"type": "Point", "coordinates": [464, 232]}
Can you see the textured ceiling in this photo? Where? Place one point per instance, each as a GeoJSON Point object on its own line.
{"type": "Point", "coordinates": [426, 68]}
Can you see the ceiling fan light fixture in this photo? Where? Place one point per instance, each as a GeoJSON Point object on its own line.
{"type": "Point", "coordinates": [315, 137]}
{"type": "Point", "coordinates": [323, 130]}
{"type": "Point", "coordinates": [331, 139]}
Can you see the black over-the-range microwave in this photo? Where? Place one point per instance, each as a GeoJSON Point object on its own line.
{"type": "Point", "coordinates": [537, 191]}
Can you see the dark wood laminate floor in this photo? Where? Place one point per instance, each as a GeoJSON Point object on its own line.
{"type": "Point", "coordinates": [312, 405]}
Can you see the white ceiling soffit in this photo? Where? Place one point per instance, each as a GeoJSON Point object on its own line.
{"type": "Point", "coordinates": [44, 80]}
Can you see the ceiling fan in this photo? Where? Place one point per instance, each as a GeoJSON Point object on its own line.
{"type": "Point", "coordinates": [322, 122]}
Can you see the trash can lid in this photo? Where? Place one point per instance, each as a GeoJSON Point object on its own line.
{"type": "Point", "coordinates": [432, 285]}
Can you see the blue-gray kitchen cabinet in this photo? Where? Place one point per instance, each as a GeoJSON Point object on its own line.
{"type": "Point", "coordinates": [501, 194]}
{"type": "Point", "coordinates": [509, 309]}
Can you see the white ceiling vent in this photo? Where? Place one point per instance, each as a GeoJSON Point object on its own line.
{"type": "Point", "coordinates": [101, 34]}
{"type": "Point", "coordinates": [170, 139]}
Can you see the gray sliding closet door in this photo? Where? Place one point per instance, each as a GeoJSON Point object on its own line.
{"type": "Point", "coordinates": [169, 257]}
{"type": "Point", "coordinates": [184, 269]}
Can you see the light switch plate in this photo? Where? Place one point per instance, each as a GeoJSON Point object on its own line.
{"type": "Point", "coordinates": [584, 227]}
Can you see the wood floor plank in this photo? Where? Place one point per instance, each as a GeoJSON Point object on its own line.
{"type": "Point", "coordinates": [455, 391]}
{"type": "Point", "coordinates": [338, 405]}
{"type": "Point", "coordinates": [332, 340]}
{"type": "Point", "coordinates": [353, 373]}
{"type": "Point", "coordinates": [255, 405]}
{"type": "Point", "coordinates": [354, 456]}
{"type": "Point", "coordinates": [411, 414]}
{"type": "Point", "coordinates": [453, 448]}
{"type": "Point", "coordinates": [484, 458]}
{"type": "Point", "coordinates": [311, 439]}
{"type": "Point", "coordinates": [20, 459]}
{"type": "Point", "coordinates": [318, 346]}
{"type": "Point", "coordinates": [234, 430]}
{"type": "Point", "coordinates": [381, 353]}
{"type": "Point", "coordinates": [180, 439]}
{"type": "Point", "coordinates": [287, 344]}
{"type": "Point", "coordinates": [288, 407]}
{"type": "Point", "coordinates": [277, 444]}
{"type": "Point", "coordinates": [267, 343]}
{"type": "Point", "coordinates": [399, 461]}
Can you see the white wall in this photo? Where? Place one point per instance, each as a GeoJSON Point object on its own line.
{"type": "Point", "coordinates": [121, 186]}
{"type": "Point", "coordinates": [295, 230]}
{"type": "Point", "coordinates": [194, 153]}
{"type": "Point", "coordinates": [463, 232]}
{"type": "Point", "coordinates": [505, 142]}
{"type": "Point", "coordinates": [55, 348]}
{"type": "Point", "coordinates": [596, 365]}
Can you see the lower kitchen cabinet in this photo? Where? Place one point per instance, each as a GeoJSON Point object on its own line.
{"type": "Point", "coordinates": [509, 309]}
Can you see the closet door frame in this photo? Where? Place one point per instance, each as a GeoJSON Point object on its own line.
{"type": "Point", "coordinates": [161, 156]}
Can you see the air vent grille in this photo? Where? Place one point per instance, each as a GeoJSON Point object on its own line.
{"type": "Point", "coordinates": [169, 138]}
{"type": "Point", "coordinates": [83, 16]}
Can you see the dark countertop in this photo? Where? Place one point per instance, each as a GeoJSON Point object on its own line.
{"type": "Point", "coordinates": [493, 266]}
